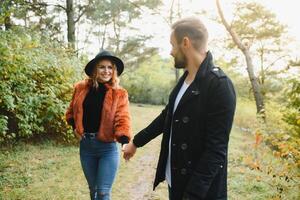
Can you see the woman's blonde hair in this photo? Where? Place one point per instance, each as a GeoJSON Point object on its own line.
{"type": "Point", "coordinates": [113, 82]}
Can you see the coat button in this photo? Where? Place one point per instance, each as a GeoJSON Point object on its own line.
{"type": "Point", "coordinates": [221, 166]}
{"type": "Point", "coordinates": [195, 92]}
{"type": "Point", "coordinates": [184, 146]}
{"type": "Point", "coordinates": [185, 119]}
{"type": "Point", "coordinates": [173, 144]}
{"type": "Point", "coordinates": [176, 120]}
{"type": "Point", "coordinates": [183, 171]}
{"type": "Point", "coordinates": [189, 162]}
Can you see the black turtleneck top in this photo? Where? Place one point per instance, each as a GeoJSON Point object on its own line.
{"type": "Point", "coordinates": [92, 107]}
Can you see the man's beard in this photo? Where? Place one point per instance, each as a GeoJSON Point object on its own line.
{"type": "Point", "coordinates": [180, 60]}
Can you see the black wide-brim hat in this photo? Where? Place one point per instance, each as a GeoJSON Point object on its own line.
{"type": "Point", "coordinates": [104, 55]}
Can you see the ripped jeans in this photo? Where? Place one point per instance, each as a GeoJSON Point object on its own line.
{"type": "Point", "coordinates": [99, 161]}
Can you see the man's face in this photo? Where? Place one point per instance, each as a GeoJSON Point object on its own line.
{"type": "Point", "coordinates": [180, 60]}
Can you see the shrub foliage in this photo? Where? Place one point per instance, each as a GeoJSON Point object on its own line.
{"type": "Point", "coordinates": [36, 77]}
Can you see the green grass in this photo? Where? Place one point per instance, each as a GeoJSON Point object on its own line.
{"type": "Point", "coordinates": [45, 170]}
{"type": "Point", "coordinates": [266, 182]}
{"type": "Point", "coordinates": [52, 171]}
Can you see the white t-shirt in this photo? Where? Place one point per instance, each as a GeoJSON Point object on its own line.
{"type": "Point", "coordinates": [168, 166]}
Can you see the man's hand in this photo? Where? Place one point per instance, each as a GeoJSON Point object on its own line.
{"type": "Point", "coordinates": [128, 150]}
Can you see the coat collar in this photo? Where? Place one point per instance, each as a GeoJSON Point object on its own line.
{"type": "Point", "coordinates": [205, 66]}
{"type": "Point", "coordinates": [194, 89]}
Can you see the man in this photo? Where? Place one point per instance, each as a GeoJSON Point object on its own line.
{"type": "Point", "coordinates": [196, 122]}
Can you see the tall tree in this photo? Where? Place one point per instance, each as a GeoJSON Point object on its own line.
{"type": "Point", "coordinates": [74, 13]}
{"type": "Point", "coordinates": [33, 14]}
{"type": "Point", "coordinates": [6, 9]}
{"type": "Point", "coordinates": [112, 22]}
{"type": "Point", "coordinates": [257, 28]}
{"type": "Point", "coordinates": [171, 21]}
{"type": "Point", "coordinates": [71, 23]}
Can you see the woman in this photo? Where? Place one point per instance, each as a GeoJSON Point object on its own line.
{"type": "Point", "coordinates": [99, 115]}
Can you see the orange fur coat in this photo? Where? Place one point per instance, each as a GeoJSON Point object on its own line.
{"type": "Point", "coordinates": [115, 118]}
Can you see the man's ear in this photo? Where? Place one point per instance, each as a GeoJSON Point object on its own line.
{"type": "Point", "coordinates": [186, 43]}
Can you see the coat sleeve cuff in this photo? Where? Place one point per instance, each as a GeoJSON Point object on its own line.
{"type": "Point", "coordinates": [139, 140]}
{"type": "Point", "coordinates": [123, 140]}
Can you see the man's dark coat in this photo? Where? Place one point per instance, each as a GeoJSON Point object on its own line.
{"type": "Point", "coordinates": [200, 132]}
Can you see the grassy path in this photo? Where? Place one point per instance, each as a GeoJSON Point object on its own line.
{"type": "Point", "coordinates": [50, 171]}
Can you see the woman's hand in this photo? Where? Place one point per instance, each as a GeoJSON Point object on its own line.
{"type": "Point", "coordinates": [78, 136]}
{"type": "Point", "coordinates": [128, 150]}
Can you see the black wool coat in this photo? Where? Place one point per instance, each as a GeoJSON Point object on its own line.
{"type": "Point", "coordinates": [200, 132]}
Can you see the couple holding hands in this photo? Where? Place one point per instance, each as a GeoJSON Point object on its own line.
{"type": "Point", "coordinates": [195, 123]}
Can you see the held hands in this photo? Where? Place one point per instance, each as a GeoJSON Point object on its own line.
{"type": "Point", "coordinates": [128, 150]}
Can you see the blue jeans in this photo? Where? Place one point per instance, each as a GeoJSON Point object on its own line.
{"type": "Point", "coordinates": [99, 161]}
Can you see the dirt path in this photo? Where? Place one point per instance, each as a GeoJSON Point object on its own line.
{"type": "Point", "coordinates": [145, 167]}
{"type": "Point", "coordinates": [143, 186]}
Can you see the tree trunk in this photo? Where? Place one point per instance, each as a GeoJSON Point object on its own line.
{"type": "Point", "coordinates": [7, 23]}
{"type": "Point", "coordinates": [103, 38]}
{"type": "Point", "coordinates": [256, 88]}
{"type": "Point", "coordinates": [70, 23]}
{"type": "Point", "coordinates": [171, 22]}
{"type": "Point", "coordinates": [117, 36]}
{"type": "Point", "coordinates": [179, 17]}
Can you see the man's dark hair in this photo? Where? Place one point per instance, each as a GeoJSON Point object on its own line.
{"type": "Point", "coordinates": [192, 28]}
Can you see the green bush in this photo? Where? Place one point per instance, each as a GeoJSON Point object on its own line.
{"type": "Point", "coordinates": [292, 112]}
{"type": "Point", "coordinates": [37, 75]}
{"type": "Point", "coordinates": [151, 83]}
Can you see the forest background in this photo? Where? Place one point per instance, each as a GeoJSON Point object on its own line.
{"type": "Point", "coordinates": [45, 44]}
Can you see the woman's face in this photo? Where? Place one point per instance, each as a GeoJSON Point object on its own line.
{"type": "Point", "coordinates": [105, 70]}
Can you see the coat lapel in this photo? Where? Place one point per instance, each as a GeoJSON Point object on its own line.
{"type": "Point", "coordinates": [194, 89]}
{"type": "Point", "coordinates": [81, 96]}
